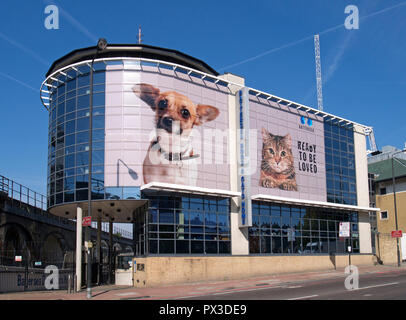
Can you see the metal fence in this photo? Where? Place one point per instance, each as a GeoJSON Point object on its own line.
{"type": "Point", "coordinates": [19, 271]}
{"type": "Point", "coordinates": [17, 279]}
{"type": "Point", "coordinates": [21, 194]}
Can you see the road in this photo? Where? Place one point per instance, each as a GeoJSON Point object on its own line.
{"type": "Point", "coordinates": [385, 286]}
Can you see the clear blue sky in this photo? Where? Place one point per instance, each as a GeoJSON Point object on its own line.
{"type": "Point", "coordinates": [268, 42]}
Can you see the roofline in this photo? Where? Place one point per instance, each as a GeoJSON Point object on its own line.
{"type": "Point", "coordinates": [390, 178]}
{"type": "Point", "coordinates": [280, 101]}
{"type": "Point", "coordinates": [131, 50]}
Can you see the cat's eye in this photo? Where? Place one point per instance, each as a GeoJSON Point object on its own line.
{"type": "Point", "coordinates": [271, 151]}
{"type": "Point", "coordinates": [283, 153]}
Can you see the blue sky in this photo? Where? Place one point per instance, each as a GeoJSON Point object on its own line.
{"type": "Point", "coordinates": [268, 42]}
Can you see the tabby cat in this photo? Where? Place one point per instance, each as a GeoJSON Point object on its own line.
{"type": "Point", "coordinates": [277, 166]}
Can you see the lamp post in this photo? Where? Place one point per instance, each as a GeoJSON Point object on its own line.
{"type": "Point", "coordinates": [394, 200]}
{"type": "Point", "coordinates": [101, 45]}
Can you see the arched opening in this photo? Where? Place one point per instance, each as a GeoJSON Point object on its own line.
{"type": "Point", "coordinates": [117, 248]}
{"type": "Point", "coordinates": [17, 243]}
{"type": "Point", "coordinates": [52, 251]}
{"type": "Point", "coordinates": [128, 249]}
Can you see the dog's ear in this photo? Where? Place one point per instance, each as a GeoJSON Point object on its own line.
{"type": "Point", "coordinates": [205, 113]}
{"type": "Point", "coordinates": [147, 93]}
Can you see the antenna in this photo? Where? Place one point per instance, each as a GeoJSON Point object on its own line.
{"type": "Point", "coordinates": [318, 72]}
{"type": "Point", "coordinates": [139, 35]}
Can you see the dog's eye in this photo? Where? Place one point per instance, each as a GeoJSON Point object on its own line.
{"type": "Point", "coordinates": [162, 104]}
{"type": "Point", "coordinates": [185, 113]}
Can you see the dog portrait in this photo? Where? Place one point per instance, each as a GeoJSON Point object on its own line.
{"type": "Point", "coordinates": [171, 157]}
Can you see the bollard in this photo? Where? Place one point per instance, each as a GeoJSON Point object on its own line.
{"type": "Point", "coordinates": [69, 283]}
{"type": "Point", "coordinates": [74, 284]}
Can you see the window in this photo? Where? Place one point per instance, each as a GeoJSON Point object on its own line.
{"type": "Point", "coordinates": [340, 163]}
{"type": "Point", "coordinates": [382, 190]}
{"type": "Point", "coordinates": [280, 229]}
{"type": "Point", "coordinates": [68, 143]}
{"type": "Point", "coordinates": [384, 215]}
{"type": "Point", "coordinates": [188, 225]}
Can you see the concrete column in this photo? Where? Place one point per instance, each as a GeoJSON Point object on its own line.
{"type": "Point", "coordinates": [361, 171]}
{"type": "Point", "coordinates": [364, 226]}
{"type": "Point", "coordinates": [79, 214]}
{"type": "Point", "coordinates": [239, 237]}
{"type": "Point", "coordinates": [361, 167]}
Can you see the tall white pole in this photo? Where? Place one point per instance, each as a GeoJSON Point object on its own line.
{"type": "Point", "coordinates": [79, 214]}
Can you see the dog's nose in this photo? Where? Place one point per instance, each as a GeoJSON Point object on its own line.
{"type": "Point", "coordinates": [167, 122]}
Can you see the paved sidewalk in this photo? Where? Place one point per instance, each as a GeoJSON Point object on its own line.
{"type": "Point", "coordinates": [196, 289]}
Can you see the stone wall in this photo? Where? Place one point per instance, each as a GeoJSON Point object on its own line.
{"type": "Point", "coordinates": [158, 271]}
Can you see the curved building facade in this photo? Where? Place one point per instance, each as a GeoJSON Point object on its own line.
{"type": "Point", "coordinates": [197, 161]}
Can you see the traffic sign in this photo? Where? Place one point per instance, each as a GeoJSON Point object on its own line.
{"type": "Point", "coordinates": [87, 221]}
{"type": "Point", "coordinates": [344, 231]}
{"type": "Point", "coordinates": [396, 234]}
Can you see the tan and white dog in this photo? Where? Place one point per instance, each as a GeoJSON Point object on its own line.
{"type": "Point", "coordinates": [170, 157]}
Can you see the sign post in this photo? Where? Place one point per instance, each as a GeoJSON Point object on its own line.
{"type": "Point", "coordinates": [396, 234]}
{"type": "Point", "coordinates": [345, 232]}
{"type": "Point", "coordinates": [87, 221]}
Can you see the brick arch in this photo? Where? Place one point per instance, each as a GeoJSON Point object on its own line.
{"type": "Point", "coordinates": [17, 240]}
{"type": "Point", "coordinates": [54, 248]}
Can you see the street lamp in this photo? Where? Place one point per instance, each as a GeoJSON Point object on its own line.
{"type": "Point", "coordinates": [101, 45]}
{"type": "Point", "coordinates": [394, 200]}
{"type": "Point", "coordinates": [131, 172]}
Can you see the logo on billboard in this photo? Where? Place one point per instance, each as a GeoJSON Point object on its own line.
{"type": "Point", "coordinates": [306, 124]}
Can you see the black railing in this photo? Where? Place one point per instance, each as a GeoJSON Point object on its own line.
{"type": "Point", "coordinates": [21, 196]}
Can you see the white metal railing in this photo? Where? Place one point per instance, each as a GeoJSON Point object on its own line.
{"type": "Point", "coordinates": [190, 72]}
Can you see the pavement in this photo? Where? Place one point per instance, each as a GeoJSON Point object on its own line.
{"type": "Point", "coordinates": [208, 290]}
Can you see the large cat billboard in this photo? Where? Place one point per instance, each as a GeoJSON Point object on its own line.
{"type": "Point", "coordinates": [162, 126]}
{"type": "Point", "coordinates": [290, 158]}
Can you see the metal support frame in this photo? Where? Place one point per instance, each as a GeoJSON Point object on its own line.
{"type": "Point", "coordinates": [204, 76]}
{"type": "Point", "coordinates": [318, 72]}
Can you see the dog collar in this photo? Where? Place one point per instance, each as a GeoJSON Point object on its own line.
{"type": "Point", "coordinates": [174, 156]}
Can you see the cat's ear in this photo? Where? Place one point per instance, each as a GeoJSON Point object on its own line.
{"type": "Point", "coordinates": [265, 134]}
{"type": "Point", "coordinates": [288, 140]}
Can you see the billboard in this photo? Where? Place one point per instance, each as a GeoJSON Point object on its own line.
{"type": "Point", "coordinates": [289, 152]}
{"type": "Point", "coordinates": [165, 126]}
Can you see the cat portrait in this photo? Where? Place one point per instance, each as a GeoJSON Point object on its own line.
{"type": "Point", "coordinates": [277, 165]}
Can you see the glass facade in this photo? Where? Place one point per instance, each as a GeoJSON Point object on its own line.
{"type": "Point", "coordinates": [283, 229]}
{"type": "Point", "coordinates": [68, 145]}
{"type": "Point", "coordinates": [187, 224]}
{"type": "Point", "coordinates": [340, 163]}
{"type": "Point", "coordinates": [68, 158]}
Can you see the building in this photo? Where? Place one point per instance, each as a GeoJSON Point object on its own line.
{"type": "Point", "coordinates": [209, 171]}
{"type": "Point", "coordinates": [380, 169]}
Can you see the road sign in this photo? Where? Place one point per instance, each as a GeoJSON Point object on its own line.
{"type": "Point", "coordinates": [344, 231]}
{"type": "Point", "coordinates": [396, 234]}
{"type": "Point", "coordinates": [87, 221]}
